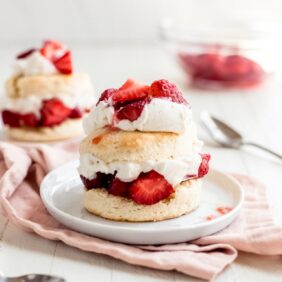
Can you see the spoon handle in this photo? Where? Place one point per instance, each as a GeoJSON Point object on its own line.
{"type": "Point", "coordinates": [264, 149]}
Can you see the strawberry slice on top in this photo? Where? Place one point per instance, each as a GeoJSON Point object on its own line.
{"type": "Point", "coordinates": [131, 111]}
{"type": "Point", "coordinates": [150, 188]}
{"type": "Point", "coordinates": [131, 90]}
{"type": "Point", "coordinates": [26, 53]}
{"type": "Point", "coordinates": [164, 89]}
{"type": "Point", "coordinates": [64, 64]}
{"type": "Point", "coordinates": [50, 49]}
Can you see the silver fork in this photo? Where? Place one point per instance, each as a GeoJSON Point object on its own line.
{"type": "Point", "coordinates": [31, 278]}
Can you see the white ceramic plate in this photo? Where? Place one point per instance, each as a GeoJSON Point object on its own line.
{"type": "Point", "coordinates": [62, 192]}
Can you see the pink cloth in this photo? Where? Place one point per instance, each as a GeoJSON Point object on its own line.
{"type": "Point", "coordinates": [23, 168]}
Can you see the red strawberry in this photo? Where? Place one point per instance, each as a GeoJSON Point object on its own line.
{"type": "Point", "coordinates": [50, 48]}
{"type": "Point", "coordinates": [29, 119]}
{"type": "Point", "coordinates": [75, 113]}
{"type": "Point", "coordinates": [131, 111]}
{"type": "Point", "coordinates": [106, 95]}
{"type": "Point", "coordinates": [129, 83]}
{"type": "Point", "coordinates": [26, 53]}
{"type": "Point", "coordinates": [64, 64]}
{"type": "Point", "coordinates": [118, 188]}
{"type": "Point", "coordinates": [204, 166]}
{"type": "Point", "coordinates": [53, 112]}
{"type": "Point", "coordinates": [11, 119]}
{"type": "Point", "coordinates": [150, 188]}
{"type": "Point", "coordinates": [96, 182]}
{"type": "Point", "coordinates": [130, 91]}
{"type": "Point", "coordinates": [164, 89]}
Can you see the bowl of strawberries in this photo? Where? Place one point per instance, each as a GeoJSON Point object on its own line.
{"type": "Point", "coordinates": [224, 54]}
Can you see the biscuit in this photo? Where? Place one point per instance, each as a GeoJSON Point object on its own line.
{"type": "Point", "coordinates": [48, 85]}
{"type": "Point", "coordinates": [67, 129]}
{"type": "Point", "coordinates": [185, 199]}
{"type": "Point", "coordinates": [117, 145]}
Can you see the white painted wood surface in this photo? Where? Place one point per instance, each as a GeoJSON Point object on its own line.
{"type": "Point", "coordinates": [257, 114]}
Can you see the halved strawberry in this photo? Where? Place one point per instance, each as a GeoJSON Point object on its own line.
{"type": "Point", "coordinates": [26, 53]}
{"type": "Point", "coordinates": [118, 188]}
{"type": "Point", "coordinates": [53, 112]}
{"type": "Point", "coordinates": [204, 166]}
{"type": "Point", "coordinates": [106, 95]}
{"type": "Point", "coordinates": [129, 83]}
{"type": "Point", "coordinates": [150, 188]}
{"type": "Point", "coordinates": [29, 119]}
{"type": "Point", "coordinates": [96, 182]}
{"type": "Point", "coordinates": [131, 111]}
{"type": "Point", "coordinates": [75, 113]}
{"type": "Point", "coordinates": [64, 63]}
{"type": "Point", "coordinates": [130, 91]}
{"type": "Point", "coordinates": [164, 89]}
{"type": "Point", "coordinates": [50, 48]}
{"type": "Point", "coordinates": [10, 118]}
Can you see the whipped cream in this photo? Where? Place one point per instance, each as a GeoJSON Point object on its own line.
{"type": "Point", "coordinates": [157, 115]}
{"type": "Point", "coordinates": [34, 64]}
{"type": "Point", "coordinates": [174, 170]}
{"type": "Point", "coordinates": [33, 103]}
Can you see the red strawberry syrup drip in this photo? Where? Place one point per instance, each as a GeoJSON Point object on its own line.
{"type": "Point", "coordinates": [210, 217]}
{"type": "Point", "coordinates": [223, 210]}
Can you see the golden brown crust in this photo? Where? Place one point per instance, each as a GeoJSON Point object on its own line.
{"type": "Point", "coordinates": [47, 85]}
{"type": "Point", "coordinates": [185, 199]}
{"type": "Point", "coordinates": [116, 145]}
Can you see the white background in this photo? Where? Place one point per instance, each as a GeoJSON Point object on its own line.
{"type": "Point", "coordinates": [111, 21]}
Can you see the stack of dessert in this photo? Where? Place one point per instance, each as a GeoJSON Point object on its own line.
{"type": "Point", "coordinates": [45, 100]}
{"type": "Point", "coordinates": [141, 158]}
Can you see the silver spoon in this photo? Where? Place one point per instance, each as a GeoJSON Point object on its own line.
{"type": "Point", "coordinates": [31, 278]}
{"type": "Point", "coordinates": [227, 136]}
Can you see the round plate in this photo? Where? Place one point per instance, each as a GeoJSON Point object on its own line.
{"type": "Point", "coordinates": [62, 193]}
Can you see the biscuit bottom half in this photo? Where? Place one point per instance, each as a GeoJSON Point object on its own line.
{"type": "Point", "coordinates": [67, 129]}
{"type": "Point", "coordinates": [185, 199]}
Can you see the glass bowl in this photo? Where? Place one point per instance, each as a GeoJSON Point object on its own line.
{"type": "Point", "coordinates": [225, 54]}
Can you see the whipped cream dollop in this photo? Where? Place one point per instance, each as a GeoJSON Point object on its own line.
{"type": "Point", "coordinates": [34, 64]}
{"type": "Point", "coordinates": [174, 170]}
{"type": "Point", "coordinates": [157, 115]}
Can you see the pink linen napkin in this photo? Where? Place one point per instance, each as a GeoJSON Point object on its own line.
{"type": "Point", "coordinates": [23, 167]}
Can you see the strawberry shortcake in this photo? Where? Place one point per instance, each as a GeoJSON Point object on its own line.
{"type": "Point", "coordinates": [141, 159]}
{"type": "Point", "coordinates": [45, 99]}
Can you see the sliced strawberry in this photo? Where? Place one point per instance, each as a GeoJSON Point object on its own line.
{"type": "Point", "coordinates": [75, 113]}
{"type": "Point", "coordinates": [10, 118]}
{"type": "Point", "coordinates": [50, 48]}
{"type": "Point", "coordinates": [106, 95]}
{"type": "Point", "coordinates": [130, 91]}
{"type": "Point", "coordinates": [26, 53]}
{"type": "Point", "coordinates": [53, 112]}
{"type": "Point", "coordinates": [204, 166]}
{"type": "Point", "coordinates": [96, 182]}
{"type": "Point", "coordinates": [131, 111]}
{"type": "Point", "coordinates": [118, 188]}
{"type": "Point", "coordinates": [129, 83]}
{"type": "Point", "coordinates": [165, 89]}
{"type": "Point", "coordinates": [29, 119]}
{"type": "Point", "coordinates": [64, 63]}
{"type": "Point", "coordinates": [150, 188]}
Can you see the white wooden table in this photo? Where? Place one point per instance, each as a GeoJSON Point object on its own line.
{"type": "Point", "coordinates": [257, 114]}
